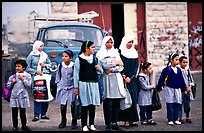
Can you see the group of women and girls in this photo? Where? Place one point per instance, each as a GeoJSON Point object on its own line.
{"type": "Point", "coordinates": [114, 68]}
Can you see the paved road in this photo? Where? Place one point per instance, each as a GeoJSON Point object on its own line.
{"type": "Point", "coordinates": [159, 116]}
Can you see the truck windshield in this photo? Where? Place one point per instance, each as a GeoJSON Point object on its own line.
{"type": "Point", "coordinates": [72, 36]}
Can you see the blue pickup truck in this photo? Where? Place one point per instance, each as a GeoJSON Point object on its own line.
{"type": "Point", "coordinates": [62, 35]}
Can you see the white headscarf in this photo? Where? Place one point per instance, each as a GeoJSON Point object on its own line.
{"type": "Point", "coordinates": [128, 53]}
{"type": "Point", "coordinates": [104, 52]}
{"type": "Point", "coordinates": [42, 54]}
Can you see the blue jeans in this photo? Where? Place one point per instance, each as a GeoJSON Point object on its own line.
{"type": "Point", "coordinates": [40, 108]}
{"type": "Point", "coordinates": [173, 111]}
{"type": "Point", "coordinates": [145, 113]}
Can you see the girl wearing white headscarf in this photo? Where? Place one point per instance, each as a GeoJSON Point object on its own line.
{"type": "Point", "coordinates": [38, 64]}
{"type": "Point", "coordinates": [112, 82]}
{"type": "Point", "coordinates": [129, 57]}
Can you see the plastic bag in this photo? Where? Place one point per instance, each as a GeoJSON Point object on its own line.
{"type": "Point", "coordinates": [194, 90]}
{"type": "Point", "coordinates": [77, 108]}
{"type": "Point", "coordinates": [156, 103]}
{"type": "Point", "coordinates": [41, 88]}
{"type": "Point", "coordinates": [127, 101]}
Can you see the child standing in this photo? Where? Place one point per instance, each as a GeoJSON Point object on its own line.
{"type": "Point", "coordinates": [65, 87]}
{"type": "Point", "coordinates": [145, 94]}
{"type": "Point", "coordinates": [187, 96]}
{"type": "Point", "coordinates": [172, 81]}
{"type": "Point", "coordinates": [86, 70]}
{"type": "Point", "coordinates": [19, 95]}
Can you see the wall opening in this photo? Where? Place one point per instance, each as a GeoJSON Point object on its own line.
{"type": "Point", "coordinates": [117, 23]}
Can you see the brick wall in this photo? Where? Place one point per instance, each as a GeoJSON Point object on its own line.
{"type": "Point", "coordinates": [167, 31]}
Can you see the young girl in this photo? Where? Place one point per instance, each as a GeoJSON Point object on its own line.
{"type": "Point", "coordinates": [145, 94]}
{"type": "Point", "coordinates": [65, 87]}
{"type": "Point", "coordinates": [112, 82]}
{"type": "Point", "coordinates": [86, 70]}
{"type": "Point", "coordinates": [172, 81]}
{"type": "Point", "coordinates": [187, 95]}
{"type": "Point", "coordinates": [19, 95]}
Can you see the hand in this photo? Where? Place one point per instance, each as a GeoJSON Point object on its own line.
{"type": "Point", "coordinates": [21, 77]}
{"type": "Point", "coordinates": [188, 89]}
{"type": "Point", "coordinates": [127, 80]}
{"type": "Point", "coordinates": [97, 67]}
{"type": "Point", "coordinates": [13, 81]}
{"type": "Point", "coordinates": [76, 91]}
{"type": "Point", "coordinates": [185, 92]}
{"type": "Point", "coordinates": [119, 63]}
{"type": "Point", "coordinates": [153, 86]}
{"type": "Point", "coordinates": [108, 70]}
{"type": "Point", "coordinates": [42, 65]}
{"type": "Point", "coordinates": [39, 72]}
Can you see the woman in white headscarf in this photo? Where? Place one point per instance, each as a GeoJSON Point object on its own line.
{"type": "Point", "coordinates": [38, 64]}
{"type": "Point", "coordinates": [129, 57]}
{"type": "Point", "coordinates": [112, 82]}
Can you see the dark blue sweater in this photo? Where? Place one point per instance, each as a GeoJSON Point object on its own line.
{"type": "Point", "coordinates": [174, 80]}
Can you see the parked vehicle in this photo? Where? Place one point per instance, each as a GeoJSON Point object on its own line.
{"type": "Point", "coordinates": [59, 36]}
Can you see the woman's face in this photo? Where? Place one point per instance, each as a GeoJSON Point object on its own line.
{"type": "Point", "coordinates": [109, 44]}
{"type": "Point", "coordinates": [129, 44]}
{"type": "Point", "coordinates": [40, 49]}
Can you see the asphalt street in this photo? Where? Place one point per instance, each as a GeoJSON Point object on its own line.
{"type": "Point", "coordinates": [158, 116]}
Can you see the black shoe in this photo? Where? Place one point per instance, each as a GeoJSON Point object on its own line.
{"type": "Point", "coordinates": [151, 122]}
{"type": "Point", "coordinates": [108, 128]}
{"type": "Point", "coordinates": [15, 128]}
{"type": "Point", "coordinates": [62, 125]}
{"type": "Point", "coordinates": [143, 123]}
{"type": "Point", "coordinates": [25, 128]}
{"type": "Point", "coordinates": [45, 117]}
{"type": "Point", "coordinates": [35, 119]}
{"type": "Point", "coordinates": [116, 127]}
{"type": "Point", "coordinates": [74, 124]}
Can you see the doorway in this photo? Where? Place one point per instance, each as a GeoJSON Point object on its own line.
{"type": "Point", "coordinates": [117, 23]}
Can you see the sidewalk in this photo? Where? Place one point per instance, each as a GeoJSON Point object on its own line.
{"type": "Point", "coordinates": [159, 117]}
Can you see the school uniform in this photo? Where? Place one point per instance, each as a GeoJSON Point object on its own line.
{"type": "Point", "coordinates": [145, 97]}
{"type": "Point", "coordinates": [172, 92]}
{"type": "Point", "coordinates": [19, 97]}
{"type": "Point", "coordinates": [86, 79]}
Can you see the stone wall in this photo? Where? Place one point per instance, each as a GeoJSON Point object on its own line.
{"type": "Point", "coordinates": [167, 31]}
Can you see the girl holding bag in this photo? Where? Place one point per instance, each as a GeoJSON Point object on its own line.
{"type": "Point", "coordinates": [39, 64]}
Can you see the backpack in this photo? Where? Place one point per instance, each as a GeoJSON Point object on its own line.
{"type": "Point", "coordinates": [138, 83]}
{"type": "Point", "coordinates": [6, 91]}
{"type": "Point", "coordinates": [60, 68]}
{"type": "Point", "coordinates": [169, 71]}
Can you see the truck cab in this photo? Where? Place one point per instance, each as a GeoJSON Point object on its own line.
{"type": "Point", "coordinates": [59, 36]}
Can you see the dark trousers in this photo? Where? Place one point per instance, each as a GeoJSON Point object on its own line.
{"type": "Point", "coordinates": [40, 108]}
{"type": "Point", "coordinates": [63, 109]}
{"type": "Point", "coordinates": [111, 108]}
{"type": "Point", "coordinates": [22, 116]}
{"type": "Point", "coordinates": [84, 112]}
{"type": "Point", "coordinates": [145, 113]}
